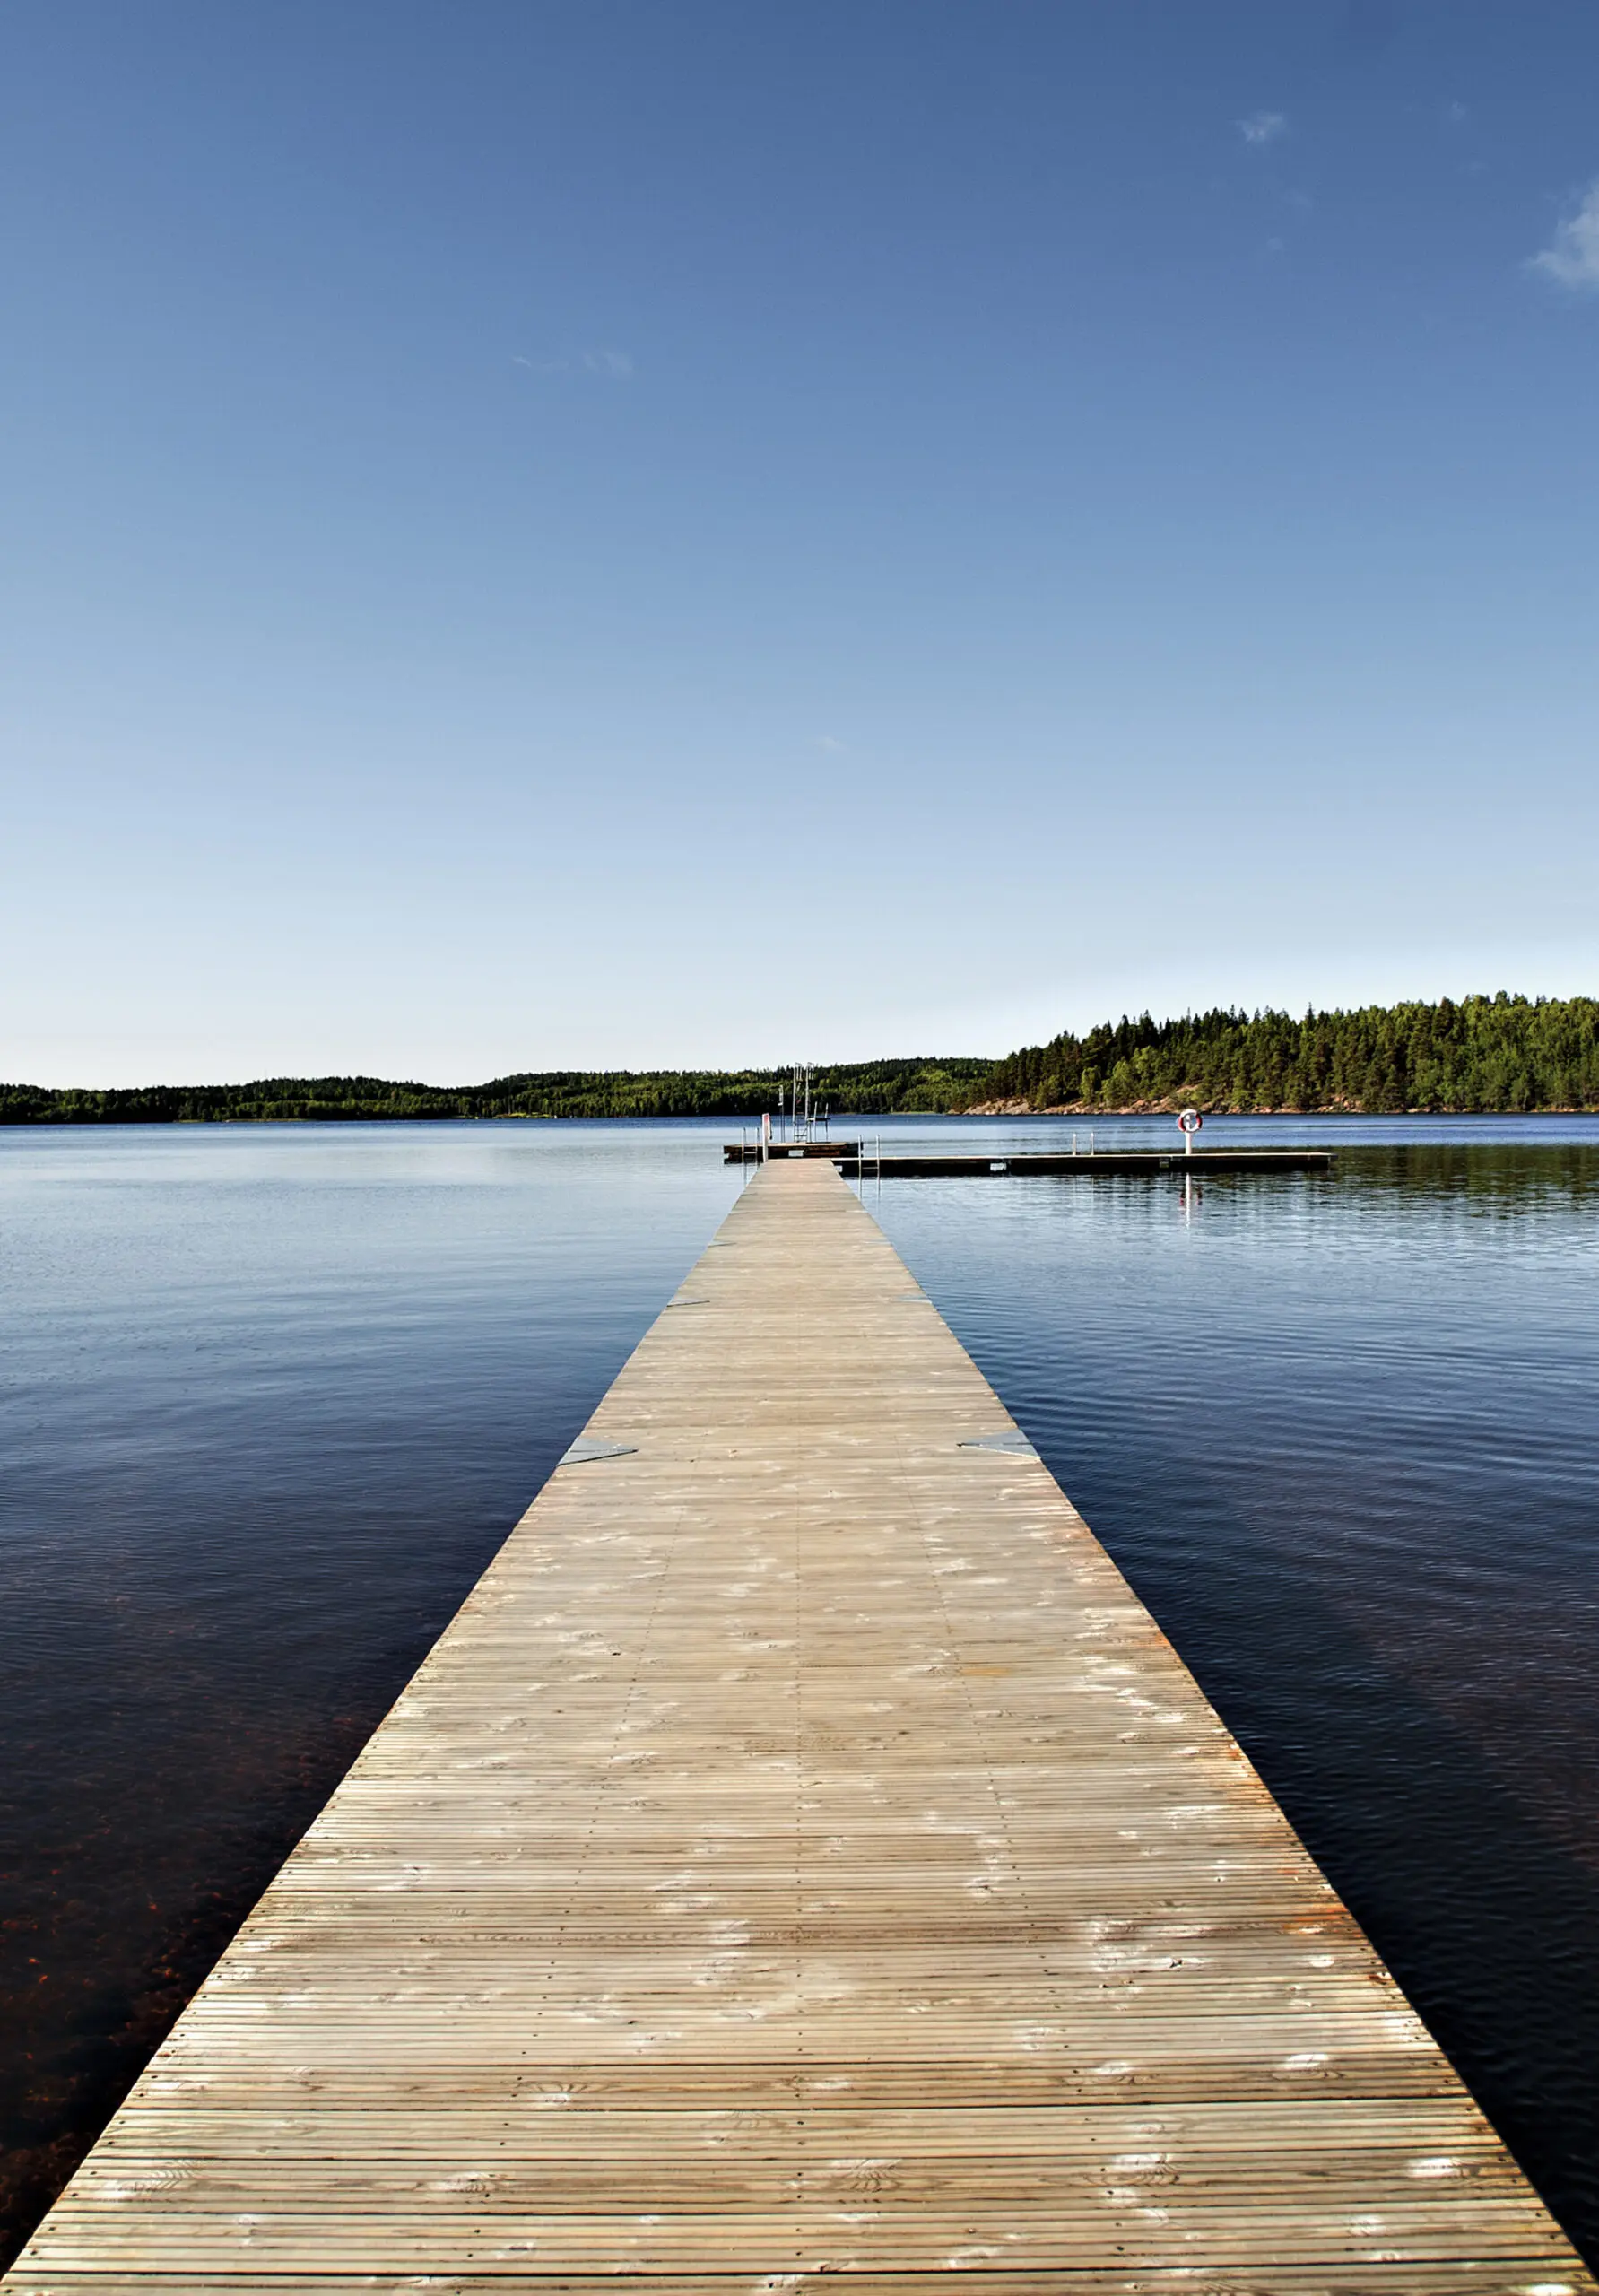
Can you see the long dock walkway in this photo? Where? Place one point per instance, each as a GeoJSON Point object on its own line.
{"type": "Point", "coordinates": [802, 1857]}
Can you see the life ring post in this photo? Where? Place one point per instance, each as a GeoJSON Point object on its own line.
{"type": "Point", "coordinates": [1188, 1124]}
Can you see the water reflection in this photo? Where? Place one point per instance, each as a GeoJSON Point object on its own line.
{"type": "Point", "coordinates": [272, 1400]}
{"type": "Point", "coordinates": [1341, 1435]}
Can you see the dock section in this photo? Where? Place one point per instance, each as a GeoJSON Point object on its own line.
{"type": "Point", "coordinates": [1130, 1163]}
{"type": "Point", "coordinates": [854, 1157]}
{"type": "Point", "coordinates": [803, 1857]}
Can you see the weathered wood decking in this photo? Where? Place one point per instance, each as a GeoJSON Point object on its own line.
{"type": "Point", "coordinates": [803, 1855]}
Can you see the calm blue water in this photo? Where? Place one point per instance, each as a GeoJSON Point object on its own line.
{"type": "Point", "coordinates": [272, 1397]}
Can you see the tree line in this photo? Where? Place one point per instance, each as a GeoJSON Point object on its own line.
{"type": "Point", "coordinates": [848, 1088]}
{"type": "Point", "coordinates": [1497, 1054]}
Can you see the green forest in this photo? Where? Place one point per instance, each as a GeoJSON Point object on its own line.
{"type": "Point", "coordinates": [1485, 1054]}
{"type": "Point", "coordinates": [881, 1086]}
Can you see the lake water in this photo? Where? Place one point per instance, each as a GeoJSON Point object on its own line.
{"type": "Point", "coordinates": [272, 1396]}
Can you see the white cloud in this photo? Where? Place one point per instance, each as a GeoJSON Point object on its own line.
{"type": "Point", "coordinates": [1263, 126]}
{"type": "Point", "coordinates": [1574, 259]}
{"type": "Point", "coordinates": [831, 744]}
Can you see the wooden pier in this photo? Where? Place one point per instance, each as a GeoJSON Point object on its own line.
{"type": "Point", "coordinates": [803, 1857]}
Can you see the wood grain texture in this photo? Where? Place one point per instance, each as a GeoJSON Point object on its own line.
{"type": "Point", "coordinates": [801, 1856]}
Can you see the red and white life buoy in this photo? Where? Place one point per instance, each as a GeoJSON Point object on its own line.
{"type": "Point", "coordinates": [1190, 1121]}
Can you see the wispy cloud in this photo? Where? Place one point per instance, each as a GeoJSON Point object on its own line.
{"type": "Point", "coordinates": [613, 366]}
{"type": "Point", "coordinates": [830, 743]}
{"type": "Point", "coordinates": [1263, 128]}
{"type": "Point", "coordinates": [1574, 259]}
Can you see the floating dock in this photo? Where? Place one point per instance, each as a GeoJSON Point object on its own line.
{"type": "Point", "coordinates": [852, 1156]}
{"type": "Point", "coordinates": [1136, 1163]}
{"type": "Point", "coordinates": [801, 1857]}
{"type": "Point", "coordinates": [765, 1152]}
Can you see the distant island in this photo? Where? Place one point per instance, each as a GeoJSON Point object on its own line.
{"type": "Point", "coordinates": [1486, 1055]}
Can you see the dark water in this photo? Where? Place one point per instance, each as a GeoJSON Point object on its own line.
{"type": "Point", "coordinates": [272, 1398]}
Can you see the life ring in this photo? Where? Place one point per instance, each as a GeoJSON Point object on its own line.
{"type": "Point", "coordinates": [1190, 1121]}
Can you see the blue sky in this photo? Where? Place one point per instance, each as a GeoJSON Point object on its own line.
{"type": "Point", "coordinates": [619, 533]}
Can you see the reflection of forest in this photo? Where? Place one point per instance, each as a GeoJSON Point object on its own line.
{"type": "Point", "coordinates": [1466, 1181]}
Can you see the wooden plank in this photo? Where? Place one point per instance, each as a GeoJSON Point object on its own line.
{"type": "Point", "coordinates": [802, 1855]}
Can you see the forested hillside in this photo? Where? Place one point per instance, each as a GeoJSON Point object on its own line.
{"type": "Point", "coordinates": [879, 1085]}
{"type": "Point", "coordinates": [1487, 1053]}
{"type": "Point", "coordinates": [1484, 1054]}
